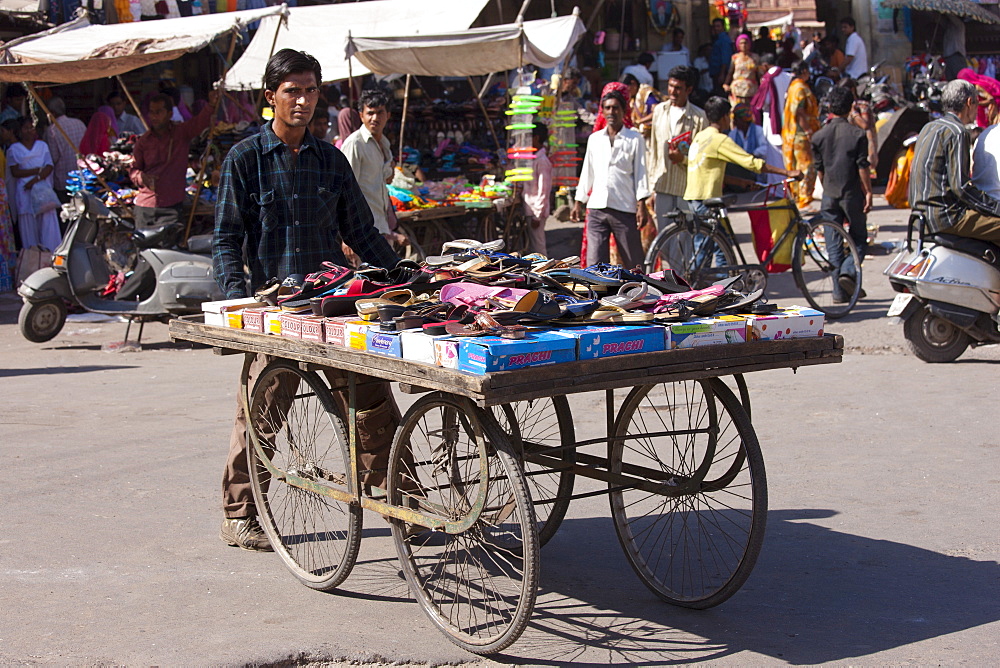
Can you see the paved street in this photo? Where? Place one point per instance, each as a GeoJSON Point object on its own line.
{"type": "Point", "coordinates": [882, 544]}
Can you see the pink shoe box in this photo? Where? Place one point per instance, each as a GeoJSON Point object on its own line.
{"type": "Point", "coordinates": [335, 330]}
{"type": "Point", "coordinates": [446, 352]}
{"type": "Point", "coordinates": [312, 329]}
{"type": "Point", "coordinates": [708, 331]}
{"type": "Point", "coordinates": [356, 334]}
{"type": "Point", "coordinates": [253, 319]}
{"type": "Point", "coordinates": [387, 344]}
{"type": "Point", "coordinates": [606, 341]}
{"type": "Point", "coordinates": [795, 322]}
{"type": "Point", "coordinates": [484, 354]}
{"type": "Point", "coordinates": [291, 325]}
{"type": "Point", "coordinates": [419, 347]}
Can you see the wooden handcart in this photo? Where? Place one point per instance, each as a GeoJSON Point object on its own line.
{"type": "Point", "coordinates": [482, 470]}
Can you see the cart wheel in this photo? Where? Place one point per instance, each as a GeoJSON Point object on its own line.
{"type": "Point", "coordinates": [694, 542]}
{"type": "Point", "coordinates": [450, 461]}
{"type": "Point", "coordinates": [543, 423]}
{"type": "Point", "coordinates": [298, 432]}
{"type": "Point", "coordinates": [515, 233]}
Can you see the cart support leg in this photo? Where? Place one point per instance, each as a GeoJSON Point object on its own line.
{"type": "Point", "coordinates": [352, 434]}
{"type": "Point", "coordinates": [609, 399]}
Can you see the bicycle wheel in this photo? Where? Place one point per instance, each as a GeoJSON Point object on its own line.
{"type": "Point", "coordinates": [694, 537]}
{"type": "Point", "coordinates": [478, 579]}
{"type": "Point", "coordinates": [515, 232]}
{"type": "Point", "coordinates": [816, 268]}
{"type": "Point", "coordinates": [300, 433]}
{"type": "Point", "coordinates": [696, 252]}
{"type": "Point", "coordinates": [543, 423]}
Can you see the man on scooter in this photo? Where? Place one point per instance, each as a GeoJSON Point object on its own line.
{"type": "Point", "coordinates": [289, 199]}
{"type": "Point", "coordinates": [939, 180]}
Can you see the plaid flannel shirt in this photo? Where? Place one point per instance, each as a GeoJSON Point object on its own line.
{"type": "Point", "coordinates": [289, 213]}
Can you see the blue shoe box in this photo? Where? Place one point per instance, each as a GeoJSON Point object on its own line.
{"type": "Point", "coordinates": [606, 341]}
{"type": "Point", "coordinates": [387, 344]}
{"type": "Point", "coordinates": [483, 354]}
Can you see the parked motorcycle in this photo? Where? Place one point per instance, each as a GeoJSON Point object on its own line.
{"type": "Point", "coordinates": [165, 281]}
{"type": "Point", "coordinates": [949, 293]}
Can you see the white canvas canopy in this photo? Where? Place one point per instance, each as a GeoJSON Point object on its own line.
{"type": "Point", "coordinates": [544, 43]}
{"type": "Point", "coordinates": [322, 32]}
{"type": "Point", "coordinates": [88, 52]}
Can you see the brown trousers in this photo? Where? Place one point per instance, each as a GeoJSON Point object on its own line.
{"type": "Point", "coordinates": [975, 225]}
{"type": "Point", "coordinates": [377, 418]}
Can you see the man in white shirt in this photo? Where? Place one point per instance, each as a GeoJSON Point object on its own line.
{"type": "Point", "coordinates": [370, 155]}
{"type": "Point", "coordinates": [641, 70]}
{"type": "Point", "coordinates": [986, 162]}
{"type": "Point", "coordinates": [856, 61]}
{"type": "Point", "coordinates": [667, 157]}
{"type": "Point", "coordinates": [613, 185]}
{"type": "Point", "coordinates": [63, 152]}
{"type": "Point", "coordinates": [127, 123]}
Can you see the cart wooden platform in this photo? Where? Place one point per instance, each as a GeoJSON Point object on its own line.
{"type": "Point", "coordinates": [482, 470]}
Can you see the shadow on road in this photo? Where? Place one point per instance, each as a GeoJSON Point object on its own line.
{"type": "Point", "coordinates": [816, 596]}
{"type": "Point", "coordinates": [58, 370]}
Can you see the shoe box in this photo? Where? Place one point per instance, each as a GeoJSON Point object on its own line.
{"type": "Point", "coordinates": [608, 341]}
{"type": "Point", "coordinates": [484, 354]}
{"type": "Point", "coordinates": [419, 347]}
{"type": "Point", "coordinates": [794, 322]}
{"type": "Point", "coordinates": [228, 312]}
{"type": "Point", "coordinates": [708, 331]}
{"type": "Point", "coordinates": [387, 344]}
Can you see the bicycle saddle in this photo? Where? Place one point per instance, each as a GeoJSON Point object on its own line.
{"type": "Point", "coordinates": [719, 202]}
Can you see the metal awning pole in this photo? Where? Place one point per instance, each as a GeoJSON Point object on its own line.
{"type": "Point", "coordinates": [138, 112]}
{"type": "Point", "coordinates": [489, 123]}
{"type": "Point", "coordinates": [402, 122]}
{"type": "Point", "coordinates": [200, 179]}
{"type": "Point", "coordinates": [274, 44]}
{"type": "Point", "coordinates": [38, 100]}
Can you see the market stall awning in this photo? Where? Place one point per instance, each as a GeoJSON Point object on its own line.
{"type": "Point", "coordinates": [322, 32]}
{"type": "Point", "coordinates": [95, 51]}
{"type": "Point", "coordinates": [23, 6]}
{"type": "Point", "coordinates": [965, 9]}
{"type": "Point", "coordinates": [543, 43]}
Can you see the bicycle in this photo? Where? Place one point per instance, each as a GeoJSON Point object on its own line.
{"type": "Point", "coordinates": [704, 249]}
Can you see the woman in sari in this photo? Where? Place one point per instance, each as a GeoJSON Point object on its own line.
{"type": "Point", "coordinates": [742, 80]}
{"type": "Point", "coordinates": [101, 132]}
{"type": "Point", "coordinates": [800, 122]}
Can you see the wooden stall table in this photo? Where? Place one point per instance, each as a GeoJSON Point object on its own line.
{"type": "Point", "coordinates": [482, 470]}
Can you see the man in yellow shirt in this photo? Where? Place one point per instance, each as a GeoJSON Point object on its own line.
{"type": "Point", "coordinates": [711, 149]}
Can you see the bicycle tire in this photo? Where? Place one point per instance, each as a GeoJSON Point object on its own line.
{"type": "Point", "coordinates": [815, 274]}
{"type": "Point", "coordinates": [677, 248]}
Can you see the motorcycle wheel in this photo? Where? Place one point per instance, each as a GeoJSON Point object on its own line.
{"type": "Point", "coordinates": [934, 339]}
{"type": "Point", "coordinates": [41, 321]}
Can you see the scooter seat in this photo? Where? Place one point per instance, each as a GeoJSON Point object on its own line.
{"type": "Point", "coordinates": [983, 250]}
{"type": "Point", "coordinates": [200, 244]}
{"type": "Point", "coordinates": [163, 236]}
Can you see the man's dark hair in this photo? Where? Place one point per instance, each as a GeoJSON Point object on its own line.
{"type": "Point", "coordinates": [839, 101]}
{"type": "Point", "coordinates": [799, 66]}
{"type": "Point", "coordinates": [830, 39]}
{"type": "Point", "coordinates": [646, 59]}
{"type": "Point", "coordinates": [717, 108]}
{"type": "Point", "coordinates": [678, 31]}
{"type": "Point", "coordinates": [615, 95]}
{"type": "Point", "coordinates": [321, 111]}
{"type": "Point", "coordinates": [13, 126]}
{"type": "Point", "coordinates": [15, 90]}
{"type": "Point", "coordinates": [848, 20]}
{"type": "Point", "coordinates": [113, 95]}
{"type": "Point", "coordinates": [763, 32]}
{"type": "Point", "coordinates": [630, 79]}
{"type": "Point", "coordinates": [164, 99]}
{"type": "Point", "coordinates": [685, 73]}
{"type": "Point", "coordinates": [287, 62]}
{"type": "Point", "coordinates": [720, 22]}
{"type": "Point", "coordinates": [541, 132]}
{"type": "Point", "coordinates": [373, 98]}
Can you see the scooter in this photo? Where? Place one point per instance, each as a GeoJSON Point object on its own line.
{"type": "Point", "coordinates": [164, 283]}
{"type": "Point", "coordinates": [949, 293]}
